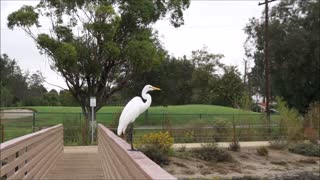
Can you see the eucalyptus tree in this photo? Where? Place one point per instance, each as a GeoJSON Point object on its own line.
{"type": "Point", "coordinates": [97, 46]}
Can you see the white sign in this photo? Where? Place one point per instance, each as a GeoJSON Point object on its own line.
{"type": "Point", "coordinates": [93, 101]}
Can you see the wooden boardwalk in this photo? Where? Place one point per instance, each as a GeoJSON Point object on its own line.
{"type": "Point", "coordinates": [78, 162]}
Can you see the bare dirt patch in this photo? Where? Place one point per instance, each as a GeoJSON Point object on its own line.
{"type": "Point", "coordinates": [15, 113]}
{"type": "Point", "coordinates": [279, 164]}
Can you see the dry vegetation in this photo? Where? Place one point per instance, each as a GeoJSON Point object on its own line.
{"type": "Point", "coordinates": [247, 164]}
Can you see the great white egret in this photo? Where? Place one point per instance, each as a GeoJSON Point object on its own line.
{"type": "Point", "coordinates": [133, 109]}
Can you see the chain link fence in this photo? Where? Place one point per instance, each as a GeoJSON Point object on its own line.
{"type": "Point", "coordinates": [185, 128]}
{"type": "Point", "coordinates": [200, 128]}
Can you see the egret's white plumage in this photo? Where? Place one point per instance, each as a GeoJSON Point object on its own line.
{"type": "Point", "coordinates": [134, 108]}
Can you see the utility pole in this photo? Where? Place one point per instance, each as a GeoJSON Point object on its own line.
{"type": "Point", "coordinates": [266, 60]}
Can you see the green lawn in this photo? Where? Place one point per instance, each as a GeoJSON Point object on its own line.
{"type": "Point", "coordinates": [180, 109]}
{"type": "Point", "coordinates": [182, 116]}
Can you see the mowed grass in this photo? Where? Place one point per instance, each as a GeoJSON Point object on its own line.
{"type": "Point", "coordinates": [181, 116]}
{"type": "Point", "coordinates": [156, 115]}
{"type": "Point", "coordinates": [179, 109]}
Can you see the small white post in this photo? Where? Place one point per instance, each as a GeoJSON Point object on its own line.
{"type": "Point", "coordinates": [92, 104]}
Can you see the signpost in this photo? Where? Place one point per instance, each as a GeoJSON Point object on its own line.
{"type": "Point", "coordinates": [92, 104]}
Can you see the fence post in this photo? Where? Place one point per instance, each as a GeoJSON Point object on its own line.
{"type": "Point", "coordinates": [234, 129]}
{"type": "Point", "coordinates": [163, 120]}
{"type": "Point", "coordinates": [200, 115]}
{"type": "Point", "coordinates": [146, 118]}
{"type": "Point", "coordinates": [33, 121]}
{"type": "Point", "coordinates": [2, 133]}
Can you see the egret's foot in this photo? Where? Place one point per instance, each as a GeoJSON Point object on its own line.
{"type": "Point", "coordinates": [133, 149]}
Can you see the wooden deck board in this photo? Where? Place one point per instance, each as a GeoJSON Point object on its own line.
{"type": "Point", "coordinates": [77, 162]}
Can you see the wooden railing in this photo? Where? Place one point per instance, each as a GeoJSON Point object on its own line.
{"type": "Point", "coordinates": [32, 155]}
{"type": "Point", "coordinates": [119, 163]}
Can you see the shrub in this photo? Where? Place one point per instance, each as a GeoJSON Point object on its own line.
{"type": "Point", "coordinates": [210, 152]}
{"type": "Point", "coordinates": [160, 139]}
{"type": "Point", "coordinates": [289, 121]}
{"type": "Point", "coordinates": [155, 154]}
{"type": "Point", "coordinates": [262, 151]}
{"type": "Point", "coordinates": [234, 146]}
{"type": "Point", "coordinates": [157, 146]}
{"type": "Point", "coordinates": [221, 128]}
{"type": "Point", "coordinates": [312, 122]}
{"type": "Point", "coordinates": [278, 144]}
{"type": "Point", "coordinates": [307, 149]}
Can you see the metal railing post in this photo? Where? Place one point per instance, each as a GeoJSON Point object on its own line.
{"type": "Point", "coordinates": [33, 122]}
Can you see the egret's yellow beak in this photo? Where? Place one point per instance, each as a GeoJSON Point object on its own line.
{"type": "Point", "coordinates": [156, 88]}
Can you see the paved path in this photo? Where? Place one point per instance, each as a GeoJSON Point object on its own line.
{"type": "Point", "coordinates": [78, 162]}
{"type": "Point", "coordinates": [15, 113]}
{"type": "Point", "coordinates": [223, 144]}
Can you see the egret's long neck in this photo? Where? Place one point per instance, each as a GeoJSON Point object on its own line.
{"type": "Point", "coordinates": [147, 97]}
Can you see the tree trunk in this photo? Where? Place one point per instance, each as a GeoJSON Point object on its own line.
{"type": "Point", "coordinates": [85, 128]}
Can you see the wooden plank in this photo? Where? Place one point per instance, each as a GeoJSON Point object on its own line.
{"type": "Point", "coordinates": [15, 146]}
{"type": "Point", "coordinates": [30, 154]}
{"type": "Point", "coordinates": [26, 156]}
{"type": "Point", "coordinates": [36, 163]}
{"type": "Point", "coordinates": [77, 163]}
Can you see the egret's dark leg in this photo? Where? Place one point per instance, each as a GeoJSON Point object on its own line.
{"type": "Point", "coordinates": [131, 137]}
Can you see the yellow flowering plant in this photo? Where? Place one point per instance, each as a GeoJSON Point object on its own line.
{"type": "Point", "coordinates": [162, 140]}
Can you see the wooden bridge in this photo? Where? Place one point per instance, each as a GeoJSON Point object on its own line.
{"type": "Point", "coordinates": [41, 155]}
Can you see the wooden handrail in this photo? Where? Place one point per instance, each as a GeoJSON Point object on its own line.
{"type": "Point", "coordinates": [32, 155]}
{"type": "Point", "coordinates": [119, 163]}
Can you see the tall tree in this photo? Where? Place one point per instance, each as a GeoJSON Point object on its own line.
{"type": "Point", "coordinates": [229, 89]}
{"type": "Point", "coordinates": [294, 52]}
{"type": "Point", "coordinates": [14, 86]}
{"type": "Point", "coordinates": [205, 75]}
{"type": "Point", "coordinates": [114, 42]}
{"type": "Point", "coordinates": [172, 75]}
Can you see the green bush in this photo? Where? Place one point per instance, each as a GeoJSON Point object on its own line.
{"type": "Point", "coordinates": [210, 152]}
{"type": "Point", "coordinates": [262, 151]}
{"type": "Point", "coordinates": [307, 149]}
{"type": "Point", "coordinates": [157, 146]}
{"type": "Point", "coordinates": [290, 121]}
{"type": "Point", "coordinates": [155, 154]}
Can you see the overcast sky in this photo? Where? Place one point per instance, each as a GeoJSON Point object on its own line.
{"type": "Point", "coordinates": [217, 24]}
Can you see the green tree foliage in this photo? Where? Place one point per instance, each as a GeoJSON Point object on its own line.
{"type": "Point", "coordinates": [13, 83]}
{"type": "Point", "coordinates": [294, 52]}
{"type": "Point", "coordinates": [230, 88]}
{"type": "Point", "coordinates": [22, 89]}
{"type": "Point", "coordinates": [205, 75]}
{"type": "Point", "coordinates": [172, 75]}
{"type": "Point", "coordinates": [202, 79]}
{"type": "Point", "coordinates": [36, 90]}
{"type": "Point", "coordinates": [99, 45]}
{"type": "Point", "coordinates": [51, 98]}
{"type": "Point", "coordinates": [66, 98]}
